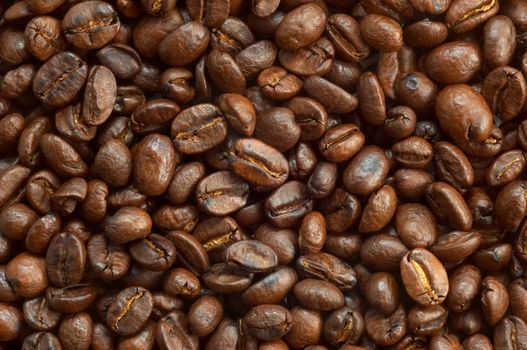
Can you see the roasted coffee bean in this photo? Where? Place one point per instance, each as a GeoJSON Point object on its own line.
{"type": "Point", "coordinates": [108, 260]}
{"type": "Point", "coordinates": [470, 104]}
{"type": "Point", "coordinates": [221, 193]}
{"type": "Point", "coordinates": [316, 58]}
{"type": "Point", "coordinates": [198, 129]}
{"type": "Point", "coordinates": [373, 107]}
{"type": "Point", "coordinates": [189, 249]}
{"type": "Point", "coordinates": [331, 96]}
{"type": "Point", "coordinates": [271, 289]}
{"type": "Point", "coordinates": [341, 143]}
{"type": "Point", "coordinates": [343, 31]}
{"type": "Point", "coordinates": [318, 295]}
{"type": "Point", "coordinates": [181, 282]}
{"type": "Point", "coordinates": [382, 33]}
{"type": "Point", "coordinates": [456, 245]}
{"type": "Point", "coordinates": [286, 206]}
{"type": "Point", "coordinates": [367, 171]}
{"type": "Point", "coordinates": [427, 320]}
{"type": "Point", "coordinates": [379, 210]}
{"type": "Point", "coordinates": [251, 256]}
{"type": "Point", "coordinates": [26, 275]}
{"type": "Point", "coordinates": [463, 16]}
{"type": "Point", "coordinates": [505, 90]}
{"type": "Point", "coordinates": [223, 278]}
{"type": "Point", "coordinates": [383, 252]}
{"type": "Point", "coordinates": [449, 206]}
{"type": "Point", "coordinates": [154, 252]}
{"type": "Point", "coordinates": [39, 314]}
{"type": "Point", "coordinates": [128, 224]}
{"type": "Point", "coordinates": [301, 27]}
{"type": "Point", "coordinates": [277, 127]}
{"type": "Point", "coordinates": [185, 44]}
{"type": "Point", "coordinates": [65, 259]}
{"type": "Point", "coordinates": [385, 329]}
{"type": "Point", "coordinates": [443, 63]}
{"type": "Point", "coordinates": [424, 277]}
{"type": "Point", "coordinates": [510, 205]}
{"type": "Point", "coordinates": [60, 79]}
{"type": "Point", "coordinates": [204, 315]}
{"type": "Point", "coordinates": [130, 310]}
{"type": "Point", "coordinates": [71, 299]}
{"type": "Point", "coordinates": [154, 162]}
{"type": "Point", "coordinates": [416, 225]}
{"type": "Point", "coordinates": [498, 42]}
{"type": "Point", "coordinates": [425, 33]}
{"type": "Point", "coordinates": [268, 322]}
{"type": "Point", "coordinates": [90, 25]}
{"type": "Point", "coordinates": [494, 299]}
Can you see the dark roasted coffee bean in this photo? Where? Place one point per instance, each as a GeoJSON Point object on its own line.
{"type": "Point", "coordinates": [91, 25]}
{"type": "Point", "coordinates": [382, 33]}
{"type": "Point", "coordinates": [60, 79]}
{"type": "Point", "coordinates": [198, 129]}
{"type": "Point", "coordinates": [367, 171]}
{"type": "Point", "coordinates": [494, 299]}
{"type": "Point", "coordinates": [129, 311]}
{"type": "Point", "coordinates": [316, 58]}
{"type": "Point", "coordinates": [424, 277]}
{"type": "Point", "coordinates": [385, 329]}
{"type": "Point", "coordinates": [504, 89]}
{"type": "Point", "coordinates": [463, 16]}
{"type": "Point", "coordinates": [185, 44]}
{"type": "Point", "coordinates": [271, 289]}
{"type": "Point", "coordinates": [286, 206]}
{"type": "Point", "coordinates": [318, 295]}
{"type": "Point", "coordinates": [65, 259]}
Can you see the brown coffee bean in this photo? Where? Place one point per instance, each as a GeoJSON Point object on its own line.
{"type": "Point", "coordinates": [316, 58]}
{"type": "Point", "coordinates": [184, 45]}
{"type": "Point", "coordinates": [382, 33]}
{"type": "Point", "coordinates": [128, 224]}
{"type": "Point", "coordinates": [424, 277]}
{"type": "Point", "coordinates": [463, 16]}
{"type": "Point", "coordinates": [456, 245]}
{"type": "Point", "coordinates": [505, 90]}
{"type": "Point", "coordinates": [65, 259]}
{"type": "Point", "coordinates": [286, 205]}
{"type": "Point", "coordinates": [318, 295]}
{"type": "Point", "coordinates": [272, 288]}
{"type": "Point", "coordinates": [449, 206]}
{"type": "Point", "coordinates": [425, 33]}
{"type": "Point", "coordinates": [91, 25]}
{"type": "Point", "coordinates": [416, 225]}
{"type": "Point", "coordinates": [494, 299]}
{"type": "Point", "coordinates": [385, 329]}
{"type": "Point", "coordinates": [204, 315]}
{"type": "Point", "coordinates": [331, 96]}
{"type": "Point", "coordinates": [443, 62]}
{"type": "Point", "coordinates": [198, 129]}
{"type": "Point", "coordinates": [129, 311]}
{"type": "Point", "coordinates": [26, 275]}
{"type": "Point", "coordinates": [371, 95]}
{"type": "Point", "coordinates": [301, 27]}
{"type": "Point", "coordinates": [154, 162]}
{"type": "Point", "coordinates": [367, 171]}
{"type": "Point", "coordinates": [379, 210]}
{"type": "Point", "coordinates": [268, 322]}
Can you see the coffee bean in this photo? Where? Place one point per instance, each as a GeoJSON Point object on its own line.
{"type": "Point", "coordinates": [130, 310]}
{"type": "Point", "coordinates": [424, 277]}
{"type": "Point", "coordinates": [463, 16]}
{"type": "Point", "coordinates": [91, 25]}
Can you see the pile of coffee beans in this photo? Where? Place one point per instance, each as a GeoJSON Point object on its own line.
{"type": "Point", "coordinates": [263, 174]}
